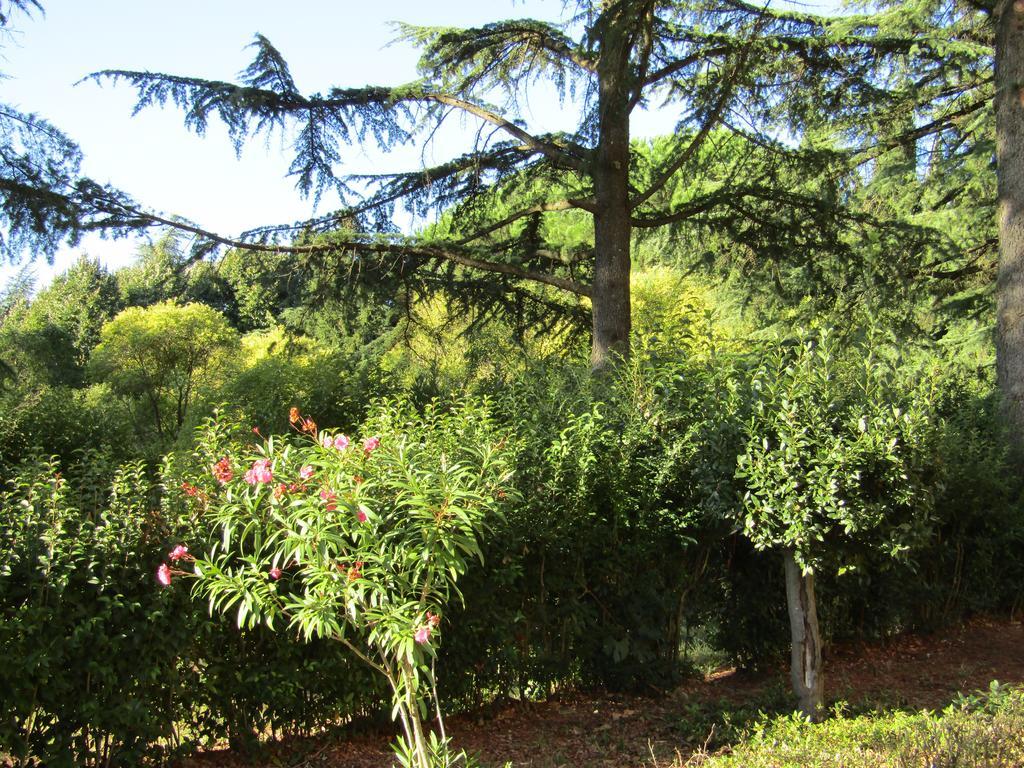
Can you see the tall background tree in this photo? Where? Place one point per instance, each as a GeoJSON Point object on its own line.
{"type": "Point", "coordinates": [749, 70]}
{"type": "Point", "coordinates": [1009, 24]}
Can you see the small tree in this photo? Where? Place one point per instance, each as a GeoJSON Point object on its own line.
{"type": "Point", "coordinates": [833, 465]}
{"type": "Point", "coordinates": [159, 356]}
{"type": "Point", "coordinates": [359, 542]}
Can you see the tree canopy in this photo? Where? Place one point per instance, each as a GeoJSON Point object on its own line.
{"type": "Point", "coordinates": [159, 356]}
{"type": "Point", "coordinates": [722, 65]}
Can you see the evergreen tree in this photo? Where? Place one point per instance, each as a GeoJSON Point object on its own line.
{"type": "Point", "coordinates": [44, 200]}
{"type": "Point", "coordinates": [1009, 76]}
{"type": "Point", "coordinates": [725, 64]}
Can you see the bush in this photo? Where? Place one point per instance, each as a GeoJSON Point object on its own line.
{"type": "Point", "coordinates": [91, 649]}
{"type": "Point", "coordinates": [595, 576]}
{"type": "Point", "coordinates": [360, 544]}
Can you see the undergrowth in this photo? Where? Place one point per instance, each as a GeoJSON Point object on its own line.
{"type": "Point", "coordinates": [983, 730]}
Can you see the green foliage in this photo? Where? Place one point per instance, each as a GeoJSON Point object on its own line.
{"type": "Point", "coordinates": [360, 544]}
{"type": "Point", "coordinates": [276, 371]}
{"type": "Point", "coordinates": [836, 457]}
{"type": "Point", "coordinates": [105, 668]}
{"type": "Point", "coordinates": [164, 271]}
{"type": "Point", "coordinates": [597, 574]}
{"type": "Point", "coordinates": [90, 673]}
{"type": "Point", "coordinates": [47, 340]}
{"type": "Point", "coordinates": [158, 358]}
{"type": "Point", "coordinates": [978, 731]}
{"type": "Point", "coordinates": [61, 421]}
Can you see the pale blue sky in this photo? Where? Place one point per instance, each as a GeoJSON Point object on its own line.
{"type": "Point", "coordinates": [153, 157]}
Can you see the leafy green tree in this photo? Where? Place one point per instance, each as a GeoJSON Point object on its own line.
{"type": "Point", "coordinates": [164, 270]}
{"type": "Point", "coordinates": [158, 358]}
{"type": "Point", "coordinates": [719, 63]}
{"type": "Point", "coordinates": [45, 343]}
{"type": "Point", "coordinates": [48, 339]}
{"type": "Point", "coordinates": [835, 464]}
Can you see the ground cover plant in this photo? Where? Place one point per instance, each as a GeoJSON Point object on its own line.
{"type": "Point", "coordinates": [977, 730]}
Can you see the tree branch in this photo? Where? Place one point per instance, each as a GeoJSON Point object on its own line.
{"type": "Point", "coordinates": [552, 151]}
{"type": "Point", "coordinates": [427, 251]}
{"type": "Point", "coordinates": [713, 118]}
{"type": "Point", "coordinates": [587, 204]}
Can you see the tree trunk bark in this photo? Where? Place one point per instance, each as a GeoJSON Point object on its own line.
{"type": "Point", "coordinates": [612, 230]}
{"type": "Point", "coordinates": [805, 670]}
{"type": "Point", "coordinates": [1009, 20]}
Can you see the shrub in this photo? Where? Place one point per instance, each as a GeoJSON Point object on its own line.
{"type": "Point", "coordinates": [90, 649]}
{"type": "Point", "coordinates": [360, 544]}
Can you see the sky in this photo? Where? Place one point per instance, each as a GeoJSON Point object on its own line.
{"type": "Point", "coordinates": [152, 157]}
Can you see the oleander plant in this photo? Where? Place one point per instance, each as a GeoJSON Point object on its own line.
{"type": "Point", "coordinates": [357, 540]}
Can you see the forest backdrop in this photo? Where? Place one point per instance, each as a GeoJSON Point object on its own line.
{"type": "Point", "coordinates": [745, 376]}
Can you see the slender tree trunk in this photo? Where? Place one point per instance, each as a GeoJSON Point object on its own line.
{"type": "Point", "coordinates": [1009, 20]}
{"type": "Point", "coordinates": [805, 671]}
{"type": "Point", "coordinates": [612, 229]}
{"type": "Point", "coordinates": [415, 724]}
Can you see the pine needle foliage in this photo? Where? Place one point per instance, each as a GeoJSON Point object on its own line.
{"type": "Point", "coordinates": [816, 93]}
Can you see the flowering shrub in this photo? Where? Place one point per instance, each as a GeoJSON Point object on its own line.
{"type": "Point", "coordinates": [360, 542]}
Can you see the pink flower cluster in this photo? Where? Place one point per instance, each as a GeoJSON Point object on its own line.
{"type": "Point", "coordinates": [222, 471]}
{"type": "Point", "coordinates": [164, 572]}
{"type": "Point", "coordinates": [423, 632]}
{"type": "Point", "coordinates": [338, 442]}
{"type": "Point", "coordinates": [330, 498]}
{"type": "Point", "coordinates": [260, 472]}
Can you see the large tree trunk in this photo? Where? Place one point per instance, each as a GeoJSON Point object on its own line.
{"type": "Point", "coordinates": [1009, 20]}
{"type": "Point", "coordinates": [610, 297]}
{"type": "Point", "coordinates": [805, 670]}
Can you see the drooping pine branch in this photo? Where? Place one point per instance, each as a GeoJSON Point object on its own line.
{"type": "Point", "coordinates": [505, 56]}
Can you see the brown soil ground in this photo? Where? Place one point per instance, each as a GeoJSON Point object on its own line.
{"type": "Point", "coordinates": [911, 671]}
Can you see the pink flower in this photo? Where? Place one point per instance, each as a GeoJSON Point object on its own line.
{"type": "Point", "coordinates": [326, 440]}
{"type": "Point", "coordinates": [222, 471]}
{"type": "Point", "coordinates": [330, 498]}
{"type": "Point", "coordinates": [259, 473]}
{"type": "Point", "coordinates": [361, 513]}
{"type": "Point", "coordinates": [306, 472]}
{"type": "Point", "coordinates": [341, 442]}
{"type": "Point", "coordinates": [371, 444]}
{"type": "Point", "coordinates": [178, 553]}
{"type": "Point", "coordinates": [163, 574]}
{"type": "Point", "coordinates": [275, 573]}
{"type": "Point", "coordinates": [423, 634]}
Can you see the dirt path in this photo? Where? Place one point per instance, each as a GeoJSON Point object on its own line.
{"type": "Point", "coordinates": [914, 671]}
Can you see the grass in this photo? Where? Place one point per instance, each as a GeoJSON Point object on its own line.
{"type": "Point", "coordinates": [985, 730]}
